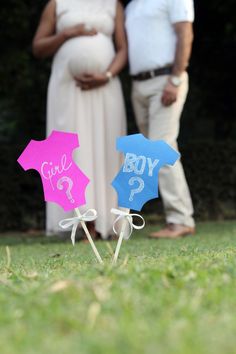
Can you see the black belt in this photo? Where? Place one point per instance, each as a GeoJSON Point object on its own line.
{"type": "Point", "coordinates": [152, 73]}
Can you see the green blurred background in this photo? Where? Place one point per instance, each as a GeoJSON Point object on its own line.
{"type": "Point", "coordinates": [207, 139]}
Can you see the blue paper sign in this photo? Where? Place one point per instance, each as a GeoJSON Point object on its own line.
{"type": "Point", "coordinates": [137, 181]}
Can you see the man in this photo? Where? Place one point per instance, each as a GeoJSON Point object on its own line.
{"type": "Point", "coordinates": [160, 38]}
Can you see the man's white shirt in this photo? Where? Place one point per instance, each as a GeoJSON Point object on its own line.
{"type": "Point", "coordinates": [150, 31]}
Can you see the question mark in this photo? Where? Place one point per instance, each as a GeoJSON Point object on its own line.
{"type": "Point", "coordinates": [136, 190]}
{"type": "Point", "coordinates": [70, 185]}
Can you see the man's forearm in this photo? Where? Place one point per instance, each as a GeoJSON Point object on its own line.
{"type": "Point", "coordinates": [184, 34]}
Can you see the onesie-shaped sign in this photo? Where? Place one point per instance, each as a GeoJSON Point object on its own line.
{"type": "Point", "coordinates": [63, 182]}
{"type": "Point", "coordinates": [137, 180]}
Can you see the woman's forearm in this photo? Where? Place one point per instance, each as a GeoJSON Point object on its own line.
{"type": "Point", "coordinates": [120, 40]}
{"type": "Point", "coordinates": [48, 46]}
{"type": "Point", "coordinates": [119, 62]}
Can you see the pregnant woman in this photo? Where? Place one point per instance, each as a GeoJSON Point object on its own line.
{"type": "Point", "coordinates": [84, 93]}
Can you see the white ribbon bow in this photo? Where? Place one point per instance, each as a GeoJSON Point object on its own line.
{"type": "Point", "coordinates": [89, 215]}
{"type": "Point", "coordinates": [129, 217]}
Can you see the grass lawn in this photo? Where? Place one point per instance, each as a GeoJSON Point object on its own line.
{"type": "Point", "coordinates": [164, 296]}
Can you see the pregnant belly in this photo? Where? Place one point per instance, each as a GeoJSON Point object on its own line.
{"type": "Point", "coordinates": [88, 54]}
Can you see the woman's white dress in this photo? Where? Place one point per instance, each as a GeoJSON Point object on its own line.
{"type": "Point", "coordinates": [98, 115]}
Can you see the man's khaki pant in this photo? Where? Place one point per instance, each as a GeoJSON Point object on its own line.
{"type": "Point", "coordinates": [162, 123]}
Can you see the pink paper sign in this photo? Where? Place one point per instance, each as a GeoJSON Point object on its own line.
{"type": "Point", "coordinates": [63, 182]}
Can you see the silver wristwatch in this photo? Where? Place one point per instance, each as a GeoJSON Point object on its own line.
{"type": "Point", "coordinates": [175, 80]}
{"type": "Point", "coordinates": [109, 75]}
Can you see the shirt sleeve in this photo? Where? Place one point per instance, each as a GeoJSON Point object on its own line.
{"type": "Point", "coordinates": [127, 142]}
{"type": "Point", "coordinates": [67, 140]}
{"type": "Point", "coordinates": [169, 154]}
{"type": "Point", "coordinates": [181, 10]}
{"type": "Point", "coordinates": [28, 157]}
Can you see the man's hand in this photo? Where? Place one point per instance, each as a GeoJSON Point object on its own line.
{"type": "Point", "coordinates": [91, 81]}
{"type": "Point", "coordinates": [79, 30]}
{"type": "Point", "coordinates": [169, 94]}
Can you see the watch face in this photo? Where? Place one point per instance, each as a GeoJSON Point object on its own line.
{"type": "Point", "coordinates": [175, 80]}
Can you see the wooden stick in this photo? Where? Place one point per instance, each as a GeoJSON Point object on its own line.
{"type": "Point", "coordinates": [117, 251]}
{"type": "Point", "coordinates": [89, 238]}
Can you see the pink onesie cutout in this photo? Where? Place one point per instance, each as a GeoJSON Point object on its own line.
{"type": "Point", "coordinates": [63, 182]}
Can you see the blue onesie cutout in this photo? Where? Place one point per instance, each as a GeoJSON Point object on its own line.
{"type": "Point", "coordinates": [137, 181]}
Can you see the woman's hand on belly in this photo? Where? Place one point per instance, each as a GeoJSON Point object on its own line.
{"type": "Point", "coordinates": [78, 31]}
{"type": "Point", "coordinates": [91, 81]}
